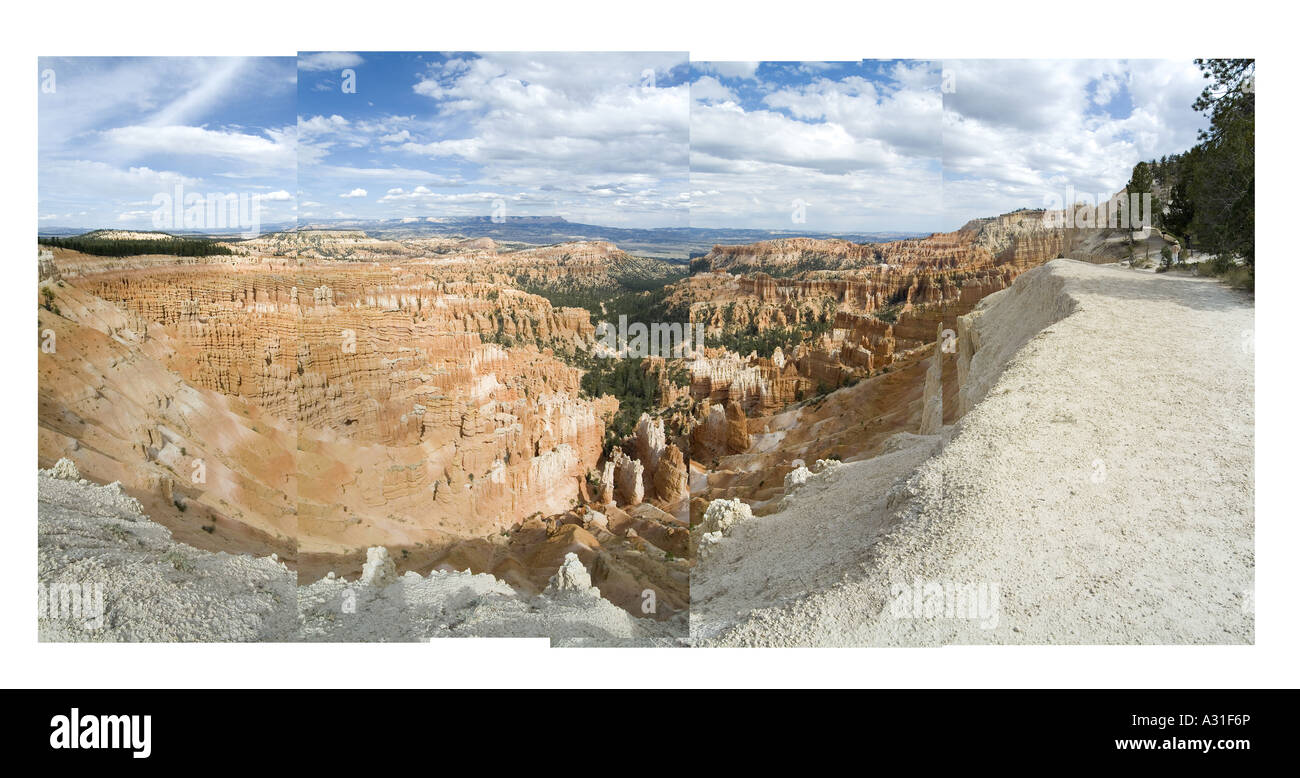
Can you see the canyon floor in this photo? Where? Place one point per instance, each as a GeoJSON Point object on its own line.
{"type": "Point", "coordinates": [1097, 490]}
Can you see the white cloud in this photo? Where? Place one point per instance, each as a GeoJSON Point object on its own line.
{"type": "Point", "coordinates": [1018, 132]}
{"type": "Point", "coordinates": [218, 80]}
{"type": "Point", "coordinates": [565, 127]}
{"type": "Point", "coordinates": [857, 155]}
{"type": "Point", "coordinates": [328, 60]}
{"type": "Point", "coordinates": [321, 125]}
{"type": "Point", "coordinates": [273, 148]}
{"type": "Point", "coordinates": [580, 134]}
{"type": "Point", "coordinates": [120, 130]}
{"type": "Point", "coordinates": [744, 70]}
{"type": "Point", "coordinates": [358, 192]}
{"type": "Point", "coordinates": [711, 89]}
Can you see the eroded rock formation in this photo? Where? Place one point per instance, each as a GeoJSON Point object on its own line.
{"type": "Point", "coordinates": [410, 400]}
{"type": "Point", "coordinates": [790, 321]}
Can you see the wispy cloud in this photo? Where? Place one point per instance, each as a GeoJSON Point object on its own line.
{"type": "Point", "coordinates": [328, 60]}
{"type": "Point", "coordinates": [116, 132]}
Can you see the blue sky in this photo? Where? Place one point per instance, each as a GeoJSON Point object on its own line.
{"type": "Point", "coordinates": [593, 137]}
{"type": "Point", "coordinates": [117, 132]}
{"type": "Point", "coordinates": [622, 139]}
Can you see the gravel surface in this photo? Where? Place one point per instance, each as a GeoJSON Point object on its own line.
{"type": "Point", "coordinates": [1100, 489]}
{"type": "Point", "coordinates": [107, 573]}
{"type": "Point", "coordinates": [112, 575]}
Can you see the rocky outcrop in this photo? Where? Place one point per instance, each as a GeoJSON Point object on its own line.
{"type": "Point", "coordinates": [853, 309]}
{"type": "Point", "coordinates": [723, 430]}
{"type": "Point", "coordinates": [792, 254]}
{"type": "Point", "coordinates": [379, 569]}
{"type": "Point", "coordinates": [629, 478]}
{"type": "Point", "coordinates": [582, 266]}
{"type": "Point", "coordinates": [670, 476]}
{"type": "Point", "coordinates": [1022, 237]}
{"type": "Point", "coordinates": [662, 466]}
{"type": "Point", "coordinates": [572, 579]}
{"type": "Point", "coordinates": [719, 519]}
{"type": "Point", "coordinates": [650, 441]}
{"type": "Point", "coordinates": [607, 483]}
{"type": "Point", "coordinates": [722, 515]}
{"type": "Point", "coordinates": [932, 399]}
{"type": "Point", "coordinates": [66, 470]}
{"type": "Point", "coordinates": [737, 431]}
{"type": "Point", "coordinates": [46, 269]}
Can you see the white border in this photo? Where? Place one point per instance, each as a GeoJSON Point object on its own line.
{"type": "Point", "coordinates": [736, 31]}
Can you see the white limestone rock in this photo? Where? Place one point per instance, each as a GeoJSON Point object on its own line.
{"type": "Point", "coordinates": [66, 470]}
{"type": "Point", "coordinates": [570, 579]}
{"type": "Point", "coordinates": [379, 569]}
{"type": "Point", "coordinates": [796, 478]}
{"type": "Point", "coordinates": [722, 515]}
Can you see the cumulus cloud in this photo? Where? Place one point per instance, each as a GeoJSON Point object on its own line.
{"type": "Point", "coordinates": [636, 138]}
{"type": "Point", "coordinates": [1018, 132]}
{"type": "Point", "coordinates": [567, 129]}
{"type": "Point", "coordinates": [824, 144]}
{"type": "Point", "coordinates": [710, 89]}
{"type": "Point", "coordinates": [887, 148]}
{"type": "Point", "coordinates": [316, 126]}
{"type": "Point", "coordinates": [596, 137]}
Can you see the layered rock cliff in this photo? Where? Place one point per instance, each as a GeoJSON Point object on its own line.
{"type": "Point", "coordinates": [319, 408]}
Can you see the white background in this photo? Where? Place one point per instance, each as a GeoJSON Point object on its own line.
{"type": "Point", "coordinates": [735, 31]}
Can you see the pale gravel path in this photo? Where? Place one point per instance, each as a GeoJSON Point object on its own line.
{"type": "Point", "coordinates": [1152, 375]}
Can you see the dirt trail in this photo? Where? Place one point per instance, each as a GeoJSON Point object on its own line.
{"type": "Point", "coordinates": [1102, 491]}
